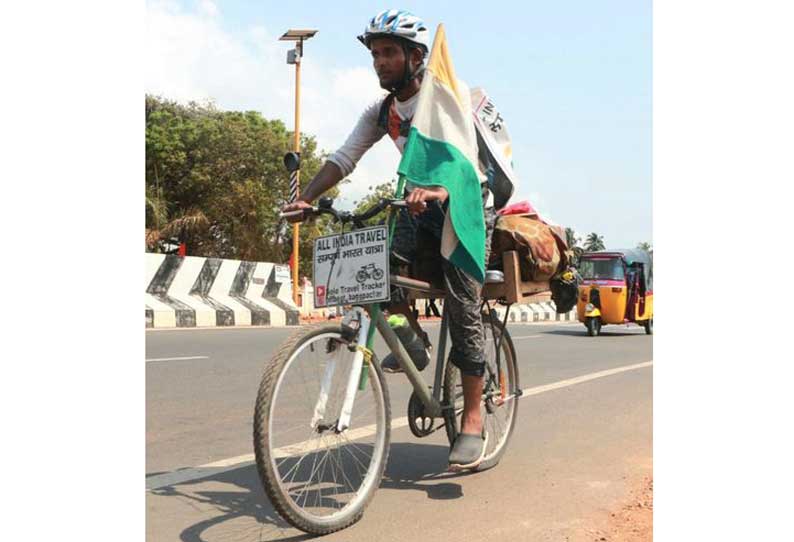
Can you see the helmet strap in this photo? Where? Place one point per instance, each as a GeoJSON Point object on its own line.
{"type": "Point", "coordinates": [408, 74]}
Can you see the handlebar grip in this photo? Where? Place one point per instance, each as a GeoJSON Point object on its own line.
{"type": "Point", "coordinates": [303, 213]}
{"type": "Point", "coordinates": [290, 214]}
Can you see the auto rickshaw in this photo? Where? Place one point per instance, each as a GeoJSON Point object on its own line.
{"type": "Point", "coordinates": [617, 288]}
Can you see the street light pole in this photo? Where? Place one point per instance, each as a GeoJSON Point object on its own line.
{"type": "Point", "coordinates": [295, 185]}
{"type": "Point", "coordinates": [294, 56]}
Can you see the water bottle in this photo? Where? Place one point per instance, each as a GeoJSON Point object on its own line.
{"type": "Point", "coordinates": [413, 344]}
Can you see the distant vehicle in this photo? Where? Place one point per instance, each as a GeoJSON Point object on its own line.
{"type": "Point", "coordinates": [617, 288]}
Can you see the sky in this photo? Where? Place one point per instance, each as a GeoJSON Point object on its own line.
{"type": "Point", "coordinates": [572, 80]}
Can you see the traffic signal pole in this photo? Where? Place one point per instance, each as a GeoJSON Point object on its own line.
{"type": "Point", "coordinates": [296, 188]}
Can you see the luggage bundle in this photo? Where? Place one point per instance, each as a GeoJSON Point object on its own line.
{"type": "Point", "coordinates": [544, 255]}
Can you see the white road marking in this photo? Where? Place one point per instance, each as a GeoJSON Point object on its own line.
{"type": "Point", "coordinates": [584, 378]}
{"type": "Point", "coordinates": [525, 337]}
{"type": "Point", "coordinates": [177, 359]}
{"type": "Point", "coordinates": [233, 463]}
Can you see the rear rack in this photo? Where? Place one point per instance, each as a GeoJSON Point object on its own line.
{"type": "Point", "coordinates": [511, 290]}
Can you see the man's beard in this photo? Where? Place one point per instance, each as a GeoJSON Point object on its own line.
{"type": "Point", "coordinates": [388, 85]}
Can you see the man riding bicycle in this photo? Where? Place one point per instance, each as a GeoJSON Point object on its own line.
{"type": "Point", "coordinates": [398, 42]}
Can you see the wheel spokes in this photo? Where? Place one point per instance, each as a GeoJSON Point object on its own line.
{"type": "Point", "coordinates": [320, 470]}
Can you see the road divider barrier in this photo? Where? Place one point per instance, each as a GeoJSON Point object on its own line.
{"type": "Point", "coordinates": [535, 312]}
{"type": "Point", "coordinates": [191, 291]}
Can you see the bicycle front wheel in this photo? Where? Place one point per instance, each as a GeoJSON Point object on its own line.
{"type": "Point", "coordinates": [318, 478]}
{"type": "Point", "coordinates": [499, 407]}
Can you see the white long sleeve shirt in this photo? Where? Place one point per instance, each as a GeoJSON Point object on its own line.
{"type": "Point", "coordinates": [367, 132]}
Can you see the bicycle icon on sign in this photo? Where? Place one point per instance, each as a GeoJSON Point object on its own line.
{"type": "Point", "coordinates": [368, 271]}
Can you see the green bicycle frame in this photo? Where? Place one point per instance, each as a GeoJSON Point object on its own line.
{"type": "Point", "coordinates": [431, 401]}
{"type": "Point", "coordinates": [375, 310]}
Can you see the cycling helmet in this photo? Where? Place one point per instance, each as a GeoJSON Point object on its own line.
{"type": "Point", "coordinates": [409, 30]}
{"type": "Point", "coordinates": [397, 23]}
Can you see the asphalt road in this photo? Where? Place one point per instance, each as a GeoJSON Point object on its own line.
{"type": "Point", "coordinates": [579, 444]}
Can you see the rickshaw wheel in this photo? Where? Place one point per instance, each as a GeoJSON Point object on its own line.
{"type": "Point", "coordinates": [593, 326]}
{"type": "Point", "coordinates": [648, 326]}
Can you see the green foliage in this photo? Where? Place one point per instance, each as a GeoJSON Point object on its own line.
{"type": "Point", "coordinates": [647, 247]}
{"type": "Point", "coordinates": [573, 245]}
{"type": "Point", "coordinates": [374, 195]}
{"type": "Point", "coordinates": [594, 242]}
{"type": "Point", "coordinates": [216, 180]}
{"type": "Point", "coordinates": [570, 238]}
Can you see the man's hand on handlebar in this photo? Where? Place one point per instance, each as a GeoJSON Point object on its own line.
{"type": "Point", "coordinates": [301, 210]}
{"type": "Point", "coordinates": [418, 196]}
{"type": "Point", "coordinates": [294, 212]}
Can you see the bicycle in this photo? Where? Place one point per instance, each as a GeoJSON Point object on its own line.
{"type": "Point", "coordinates": [321, 471]}
{"type": "Point", "coordinates": [369, 271]}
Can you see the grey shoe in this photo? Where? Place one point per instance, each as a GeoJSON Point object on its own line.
{"type": "Point", "coordinates": [468, 451]}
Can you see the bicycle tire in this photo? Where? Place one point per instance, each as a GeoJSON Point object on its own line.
{"type": "Point", "coordinates": [452, 383]}
{"type": "Point", "coordinates": [265, 458]}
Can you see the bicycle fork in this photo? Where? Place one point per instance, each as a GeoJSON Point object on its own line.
{"type": "Point", "coordinates": [359, 315]}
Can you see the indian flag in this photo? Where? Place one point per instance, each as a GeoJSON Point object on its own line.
{"type": "Point", "coordinates": [442, 151]}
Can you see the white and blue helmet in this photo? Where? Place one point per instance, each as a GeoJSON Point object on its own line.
{"type": "Point", "coordinates": [397, 23]}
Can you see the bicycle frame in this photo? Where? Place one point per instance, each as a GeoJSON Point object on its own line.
{"type": "Point", "coordinates": [432, 402]}
{"type": "Point", "coordinates": [364, 315]}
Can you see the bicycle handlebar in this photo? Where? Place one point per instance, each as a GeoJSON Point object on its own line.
{"type": "Point", "coordinates": [345, 216]}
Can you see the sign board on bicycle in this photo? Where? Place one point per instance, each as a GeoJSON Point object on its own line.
{"type": "Point", "coordinates": [352, 268]}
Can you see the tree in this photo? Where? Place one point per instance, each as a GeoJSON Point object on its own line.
{"type": "Point", "coordinates": [216, 180]}
{"type": "Point", "coordinates": [594, 243]}
{"type": "Point", "coordinates": [647, 247]}
{"type": "Point", "coordinates": [573, 244]}
{"type": "Point", "coordinates": [570, 238]}
{"type": "Point", "coordinates": [376, 193]}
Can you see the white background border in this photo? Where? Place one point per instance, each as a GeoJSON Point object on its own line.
{"type": "Point", "coordinates": [73, 162]}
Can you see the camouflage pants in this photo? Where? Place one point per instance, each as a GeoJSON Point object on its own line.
{"type": "Point", "coordinates": [417, 243]}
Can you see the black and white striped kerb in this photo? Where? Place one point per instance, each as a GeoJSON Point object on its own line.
{"type": "Point", "coordinates": [185, 291]}
{"type": "Point", "coordinates": [224, 316]}
{"type": "Point", "coordinates": [272, 289]}
{"type": "Point", "coordinates": [185, 316]}
{"type": "Point", "coordinates": [259, 315]}
{"type": "Point", "coordinates": [293, 186]}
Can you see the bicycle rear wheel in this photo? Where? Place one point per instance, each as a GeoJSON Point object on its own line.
{"type": "Point", "coordinates": [500, 403]}
{"type": "Point", "coordinates": [318, 479]}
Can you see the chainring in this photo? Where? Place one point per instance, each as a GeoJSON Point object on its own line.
{"type": "Point", "coordinates": [420, 425]}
